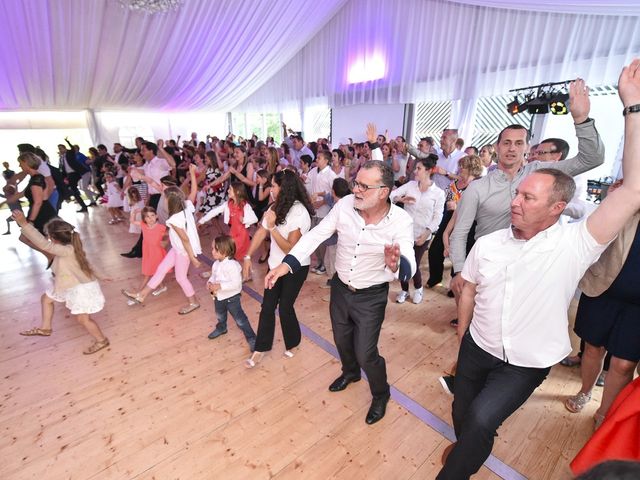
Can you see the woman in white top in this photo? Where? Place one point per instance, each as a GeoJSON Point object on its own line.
{"type": "Point", "coordinates": [424, 201]}
{"type": "Point", "coordinates": [286, 221]}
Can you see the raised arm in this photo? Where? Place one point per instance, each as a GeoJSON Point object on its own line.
{"type": "Point", "coordinates": [194, 183]}
{"type": "Point", "coordinates": [166, 155]}
{"type": "Point", "coordinates": [590, 146]}
{"type": "Point", "coordinates": [618, 207]}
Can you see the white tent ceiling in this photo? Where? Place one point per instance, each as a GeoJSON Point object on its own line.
{"type": "Point", "coordinates": [217, 54]}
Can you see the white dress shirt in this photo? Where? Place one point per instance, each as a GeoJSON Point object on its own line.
{"type": "Point", "coordinates": [227, 273]}
{"type": "Point", "coordinates": [321, 184]}
{"type": "Point", "coordinates": [360, 249]}
{"type": "Point", "coordinates": [524, 288]}
{"type": "Point", "coordinates": [428, 208]}
{"type": "Point", "coordinates": [450, 164]}
{"type": "Point", "coordinates": [156, 168]}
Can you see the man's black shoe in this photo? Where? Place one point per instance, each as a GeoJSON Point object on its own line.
{"type": "Point", "coordinates": [341, 383]}
{"type": "Point", "coordinates": [377, 409]}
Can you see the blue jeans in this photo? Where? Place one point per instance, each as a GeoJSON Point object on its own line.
{"type": "Point", "coordinates": [487, 391]}
{"type": "Point", "coordinates": [232, 305]}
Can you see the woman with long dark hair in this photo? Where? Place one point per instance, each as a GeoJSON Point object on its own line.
{"type": "Point", "coordinates": [285, 221]}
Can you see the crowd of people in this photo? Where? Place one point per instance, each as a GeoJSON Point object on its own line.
{"type": "Point", "coordinates": [364, 214]}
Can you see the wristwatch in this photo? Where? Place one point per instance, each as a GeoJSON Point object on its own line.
{"type": "Point", "coordinates": [631, 109]}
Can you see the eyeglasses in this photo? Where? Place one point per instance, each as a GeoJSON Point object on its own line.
{"type": "Point", "coordinates": [545, 152]}
{"type": "Point", "coordinates": [361, 186]}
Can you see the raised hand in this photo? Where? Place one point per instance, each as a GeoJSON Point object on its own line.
{"type": "Point", "coordinates": [160, 143]}
{"type": "Point", "coordinates": [392, 256]}
{"type": "Point", "coordinates": [372, 134]}
{"type": "Point", "coordinates": [629, 84]}
{"type": "Point", "coordinates": [19, 217]}
{"type": "Point", "coordinates": [270, 218]}
{"type": "Point", "coordinates": [579, 100]}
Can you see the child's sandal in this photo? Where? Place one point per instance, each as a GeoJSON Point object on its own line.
{"type": "Point", "coordinates": [96, 346]}
{"type": "Point", "coordinates": [189, 308]}
{"type": "Point", "coordinates": [36, 332]}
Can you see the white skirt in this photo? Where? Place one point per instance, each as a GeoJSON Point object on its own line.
{"type": "Point", "coordinates": [83, 298]}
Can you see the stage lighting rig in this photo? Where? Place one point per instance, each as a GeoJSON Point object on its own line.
{"type": "Point", "coordinates": [541, 99]}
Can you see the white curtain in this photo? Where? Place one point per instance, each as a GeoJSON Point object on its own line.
{"type": "Point", "coordinates": [599, 7]}
{"type": "Point", "coordinates": [440, 50]}
{"type": "Point", "coordinates": [93, 54]}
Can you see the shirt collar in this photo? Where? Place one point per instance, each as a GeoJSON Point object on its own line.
{"type": "Point", "coordinates": [545, 234]}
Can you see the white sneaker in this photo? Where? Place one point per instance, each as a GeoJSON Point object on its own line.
{"type": "Point", "coordinates": [417, 296]}
{"type": "Point", "coordinates": [402, 296]}
{"type": "Point", "coordinates": [159, 291]}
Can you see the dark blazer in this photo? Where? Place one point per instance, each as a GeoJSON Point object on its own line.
{"type": "Point", "coordinates": [78, 167]}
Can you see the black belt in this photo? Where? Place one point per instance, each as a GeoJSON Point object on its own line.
{"type": "Point", "coordinates": [372, 288]}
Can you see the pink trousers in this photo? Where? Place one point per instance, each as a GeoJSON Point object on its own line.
{"type": "Point", "coordinates": [181, 265]}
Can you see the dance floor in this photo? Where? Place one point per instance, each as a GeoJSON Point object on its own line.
{"type": "Point", "coordinates": [164, 402]}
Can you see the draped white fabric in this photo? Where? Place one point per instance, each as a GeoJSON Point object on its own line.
{"type": "Point", "coordinates": [592, 7]}
{"type": "Point", "coordinates": [440, 50]}
{"type": "Point", "coordinates": [78, 54]}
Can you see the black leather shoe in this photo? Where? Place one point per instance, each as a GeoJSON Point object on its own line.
{"type": "Point", "coordinates": [130, 254]}
{"type": "Point", "coordinates": [377, 409]}
{"type": "Point", "coordinates": [341, 383]}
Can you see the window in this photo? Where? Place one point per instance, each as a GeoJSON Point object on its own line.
{"type": "Point", "coordinates": [491, 117]}
{"type": "Point", "coordinates": [430, 119]}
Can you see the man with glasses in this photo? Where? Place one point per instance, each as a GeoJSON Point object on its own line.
{"type": "Point", "coordinates": [375, 246]}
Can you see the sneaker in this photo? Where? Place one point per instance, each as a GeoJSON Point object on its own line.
{"type": "Point", "coordinates": [319, 270]}
{"type": "Point", "coordinates": [417, 296]}
{"type": "Point", "coordinates": [402, 296]}
{"type": "Point", "coordinates": [217, 332]}
{"type": "Point", "coordinates": [447, 383]}
{"type": "Point", "coordinates": [327, 284]}
{"type": "Point", "coordinates": [159, 291]}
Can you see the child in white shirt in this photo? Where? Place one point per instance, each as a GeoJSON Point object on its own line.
{"type": "Point", "coordinates": [225, 285]}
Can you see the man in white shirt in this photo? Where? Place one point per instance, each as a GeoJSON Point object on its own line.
{"type": "Point", "coordinates": [448, 156]}
{"type": "Point", "coordinates": [322, 177]}
{"type": "Point", "coordinates": [517, 286]}
{"type": "Point", "coordinates": [297, 147]}
{"type": "Point", "coordinates": [375, 246]}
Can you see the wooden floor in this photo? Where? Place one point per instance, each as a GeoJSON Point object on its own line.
{"type": "Point", "coordinates": [164, 402]}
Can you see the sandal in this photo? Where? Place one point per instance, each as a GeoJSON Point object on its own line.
{"type": "Point", "coordinates": [255, 359]}
{"type": "Point", "coordinates": [576, 402]}
{"type": "Point", "coordinates": [96, 346]}
{"type": "Point", "coordinates": [132, 296]}
{"type": "Point", "coordinates": [189, 308]}
{"type": "Point", "coordinates": [36, 332]}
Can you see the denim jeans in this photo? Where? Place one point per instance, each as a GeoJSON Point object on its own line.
{"type": "Point", "coordinates": [487, 391]}
{"type": "Point", "coordinates": [233, 306]}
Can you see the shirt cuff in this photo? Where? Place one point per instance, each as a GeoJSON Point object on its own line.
{"type": "Point", "coordinates": [291, 262]}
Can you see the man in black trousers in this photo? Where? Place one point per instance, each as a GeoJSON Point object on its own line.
{"type": "Point", "coordinates": [375, 246]}
{"type": "Point", "coordinates": [73, 170]}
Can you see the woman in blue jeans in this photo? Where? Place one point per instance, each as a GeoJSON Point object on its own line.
{"type": "Point", "coordinates": [286, 220]}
